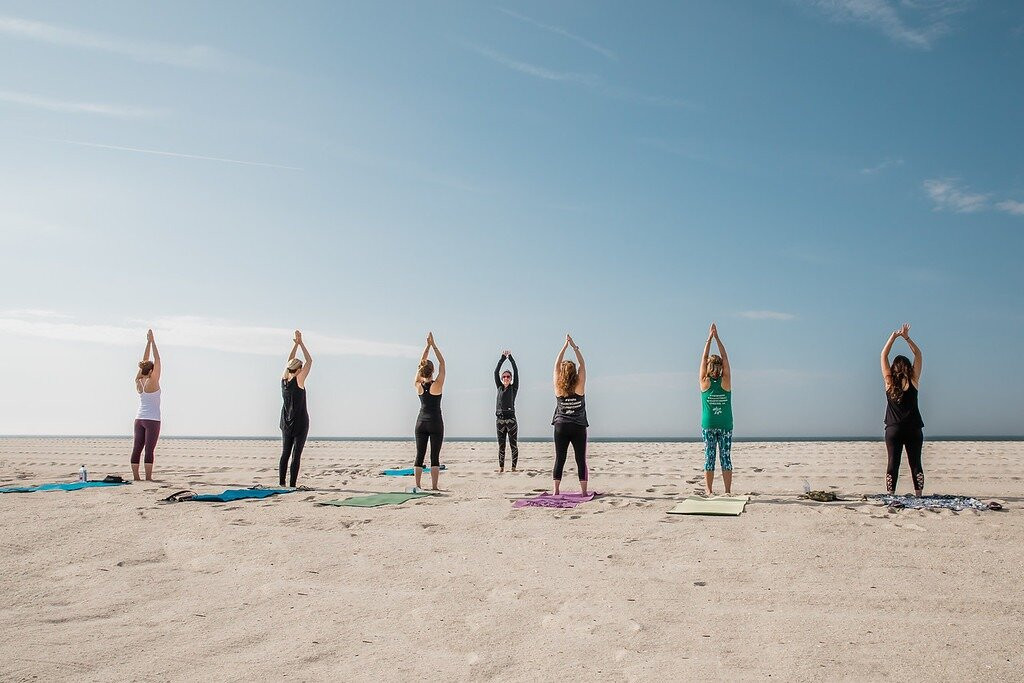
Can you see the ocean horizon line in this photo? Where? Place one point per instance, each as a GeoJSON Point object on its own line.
{"type": "Point", "coordinates": [523, 439]}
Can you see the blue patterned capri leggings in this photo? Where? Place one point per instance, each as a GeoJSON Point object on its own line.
{"type": "Point", "coordinates": [722, 438]}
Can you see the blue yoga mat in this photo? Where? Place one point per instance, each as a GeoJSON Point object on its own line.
{"type": "Point", "coordinates": [404, 472]}
{"type": "Point", "coordinates": [71, 486]}
{"type": "Point", "coordinates": [239, 494]}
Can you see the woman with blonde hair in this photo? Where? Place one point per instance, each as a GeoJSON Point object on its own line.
{"type": "Point", "coordinates": [904, 428]}
{"type": "Point", "coordinates": [429, 423]}
{"type": "Point", "coordinates": [570, 419]}
{"type": "Point", "coordinates": [715, 381]}
{"type": "Point", "coordinates": [147, 420]}
{"type": "Point", "coordinates": [294, 415]}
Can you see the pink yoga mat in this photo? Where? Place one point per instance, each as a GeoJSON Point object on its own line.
{"type": "Point", "coordinates": [548, 500]}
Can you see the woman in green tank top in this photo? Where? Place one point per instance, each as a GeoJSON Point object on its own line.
{"type": "Point", "coordinates": [716, 411]}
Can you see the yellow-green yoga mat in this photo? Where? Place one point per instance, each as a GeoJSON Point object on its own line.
{"type": "Point", "coordinates": [695, 505]}
{"type": "Point", "coordinates": [376, 500]}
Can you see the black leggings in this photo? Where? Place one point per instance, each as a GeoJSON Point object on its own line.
{"type": "Point", "coordinates": [896, 439]}
{"type": "Point", "coordinates": [293, 445]}
{"type": "Point", "coordinates": [566, 433]}
{"type": "Point", "coordinates": [432, 430]}
{"type": "Point", "coordinates": [508, 427]}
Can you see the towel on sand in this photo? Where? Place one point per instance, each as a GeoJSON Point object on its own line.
{"type": "Point", "coordinates": [405, 471]}
{"type": "Point", "coordinates": [376, 499]}
{"type": "Point", "coordinates": [934, 502]}
{"type": "Point", "coordinates": [70, 486]}
{"type": "Point", "coordinates": [550, 500]}
{"type": "Point", "coordinates": [725, 505]}
{"type": "Point", "coordinates": [238, 494]}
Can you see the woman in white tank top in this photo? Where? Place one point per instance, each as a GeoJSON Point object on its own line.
{"type": "Point", "coordinates": [147, 420]}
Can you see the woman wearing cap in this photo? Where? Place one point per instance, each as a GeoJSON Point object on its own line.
{"type": "Point", "coordinates": [294, 417]}
{"type": "Point", "coordinates": [147, 420]}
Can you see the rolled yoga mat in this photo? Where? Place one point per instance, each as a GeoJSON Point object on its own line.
{"type": "Point", "coordinates": [376, 500]}
{"type": "Point", "coordinates": [695, 505]}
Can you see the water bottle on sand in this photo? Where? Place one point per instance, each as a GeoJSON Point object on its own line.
{"type": "Point", "coordinates": [83, 474]}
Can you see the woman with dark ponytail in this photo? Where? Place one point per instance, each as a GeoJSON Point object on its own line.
{"type": "Point", "coordinates": [429, 423]}
{"type": "Point", "coordinates": [903, 423]}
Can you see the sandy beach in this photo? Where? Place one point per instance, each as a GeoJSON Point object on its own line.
{"type": "Point", "coordinates": [109, 584]}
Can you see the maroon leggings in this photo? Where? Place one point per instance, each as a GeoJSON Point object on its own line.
{"type": "Point", "coordinates": [146, 434]}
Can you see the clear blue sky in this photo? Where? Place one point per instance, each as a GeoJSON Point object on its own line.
{"type": "Point", "coordinates": [807, 173]}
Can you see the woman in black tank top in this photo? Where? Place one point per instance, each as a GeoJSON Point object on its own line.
{"type": "Point", "coordinates": [294, 416]}
{"type": "Point", "coordinates": [903, 423]}
{"type": "Point", "coordinates": [570, 418]}
{"type": "Point", "coordinates": [429, 423]}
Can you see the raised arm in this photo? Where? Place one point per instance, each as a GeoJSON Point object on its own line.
{"type": "Point", "coordinates": [581, 372]}
{"type": "Point", "coordinates": [440, 364]}
{"type": "Point", "coordinates": [702, 372]}
{"type": "Point", "coordinates": [423, 357]}
{"type": "Point", "coordinates": [497, 371]}
{"type": "Point", "coordinates": [157, 367]}
{"type": "Point", "coordinates": [307, 359]}
{"type": "Point", "coordinates": [145, 357]}
{"type": "Point", "coordinates": [726, 371]}
{"type": "Point", "coordinates": [918, 359]}
{"type": "Point", "coordinates": [295, 347]}
{"type": "Point", "coordinates": [884, 359]}
{"type": "Point", "coordinates": [558, 363]}
{"type": "Point", "coordinates": [515, 373]}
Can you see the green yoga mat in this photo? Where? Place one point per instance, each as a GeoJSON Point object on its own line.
{"type": "Point", "coordinates": [695, 505]}
{"type": "Point", "coordinates": [376, 500]}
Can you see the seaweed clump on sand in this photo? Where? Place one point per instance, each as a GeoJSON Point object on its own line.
{"type": "Point", "coordinates": [820, 496]}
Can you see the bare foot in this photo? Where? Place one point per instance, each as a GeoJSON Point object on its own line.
{"type": "Point", "coordinates": [501, 470]}
{"type": "Point", "coordinates": [708, 493]}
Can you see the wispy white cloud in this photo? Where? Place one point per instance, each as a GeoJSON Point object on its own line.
{"type": "Point", "coordinates": [177, 154]}
{"type": "Point", "coordinates": [600, 49]}
{"type": "Point", "coordinates": [914, 23]}
{"type": "Point", "coordinates": [1012, 207]}
{"type": "Point", "coordinates": [766, 315]}
{"type": "Point", "coordinates": [592, 82]}
{"type": "Point", "coordinates": [546, 74]}
{"type": "Point", "coordinates": [188, 56]}
{"type": "Point", "coordinates": [946, 195]}
{"type": "Point", "coordinates": [194, 332]}
{"type": "Point", "coordinates": [881, 166]}
{"type": "Point", "coordinates": [117, 110]}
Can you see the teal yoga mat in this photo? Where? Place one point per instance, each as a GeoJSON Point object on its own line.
{"type": "Point", "coordinates": [238, 494]}
{"type": "Point", "coordinates": [70, 486]}
{"type": "Point", "coordinates": [405, 471]}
